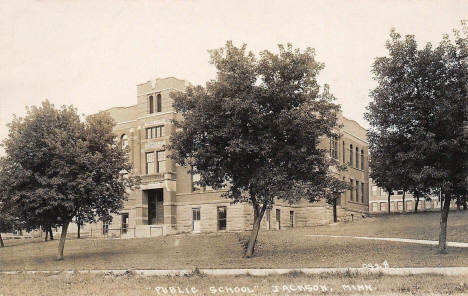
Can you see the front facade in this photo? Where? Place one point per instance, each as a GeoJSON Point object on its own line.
{"type": "Point", "coordinates": [169, 202]}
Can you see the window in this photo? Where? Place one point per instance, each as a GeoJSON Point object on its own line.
{"type": "Point", "coordinates": [351, 191]}
{"type": "Point", "coordinates": [363, 188]}
{"type": "Point", "coordinates": [357, 190]}
{"type": "Point", "coordinates": [362, 159]}
{"type": "Point", "coordinates": [124, 222]}
{"type": "Point", "coordinates": [105, 228]}
{"type": "Point", "coordinates": [151, 104]}
{"type": "Point", "coordinates": [334, 147]}
{"type": "Point", "coordinates": [195, 185]}
{"type": "Point", "coordinates": [155, 132]}
{"type": "Point", "coordinates": [278, 218]}
{"type": "Point", "coordinates": [222, 218]}
{"type": "Point", "coordinates": [124, 141]}
{"type": "Point", "coordinates": [158, 103]}
{"type": "Point", "coordinates": [150, 163]}
{"type": "Point", "coordinates": [351, 155]}
{"type": "Point", "coordinates": [291, 218]}
{"type": "Point", "coordinates": [161, 155]}
{"type": "Point", "coordinates": [344, 153]}
{"type": "Point", "coordinates": [357, 157]}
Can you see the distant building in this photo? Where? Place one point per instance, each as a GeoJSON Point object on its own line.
{"type": "Point", "coordinates": [378, 201]}
{"type": "Point", "coordinates": [168, 201]}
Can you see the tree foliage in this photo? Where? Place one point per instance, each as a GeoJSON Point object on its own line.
{"type": "Point", "coordinates": [256, 127]}
{"type": "Point", "coordinates": [417, 118]}
{"type": "Point", "coordinates": [56, 164]}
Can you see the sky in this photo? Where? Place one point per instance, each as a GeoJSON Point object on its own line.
{"type": "Point", "coordinates": [92, 54]}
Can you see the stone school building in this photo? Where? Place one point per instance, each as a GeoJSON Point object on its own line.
{"type": "Point", "coordinates": [168, 201]}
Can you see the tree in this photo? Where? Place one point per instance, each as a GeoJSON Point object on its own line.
{"type": "Point", "coordinates": [335, 188]}
{"type": "Point", "coordinates": [8, 220]}
{"type": "Point", "coordinates": [257, 128]}
{"type": "Point", "coordinates": [421, 99]}
{"type": "Point", "coordinates": [56, 164]}
{"type": "Point", "coordinates": [382, 165]}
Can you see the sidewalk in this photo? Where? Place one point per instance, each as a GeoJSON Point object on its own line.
{"type": "Point", "coordinates": [260, 272]}
{"type": "Point", "coordinates": [391, 239]}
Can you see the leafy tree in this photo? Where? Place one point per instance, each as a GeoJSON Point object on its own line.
{"type": "Point", "coordinates": [421, 99]}
{"type": "Point", "coordinates": [8, 220]}
{"type": "Point", "coordinates": [382, 164]}
{"type": "Point", "coordinates": [56, 164]}
{"type": "Point", "coordinates": [257, 128]}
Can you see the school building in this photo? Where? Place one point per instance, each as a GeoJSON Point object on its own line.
{"type": "Point", "coordinates": [169, 202]}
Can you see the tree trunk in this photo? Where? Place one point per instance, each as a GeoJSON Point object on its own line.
{"type": "Point", "coordinates": [258, 215]}
{"type": "Point", "coordinates": [416, 203]}
{"type": "Point", "coordinates": [79, 230]}
{"type": "Point", "coordinates": [335, 217]}
{"type": "Point", "coordinates": [2, 245]}
{"type": "Point", "coordinates": [51, 234]}
{"type": "Point", "coordinates": [464, 205]}
{"type": "Point", "coordinates": [63, 237]}
{"type": "Point", "coordinates": [443, 226]}
{"type": "Point", "coordinates": [389, 193]}
{"type": "Point", "coordinates": [46, 234]}
{"type": "Point", "coordinates": [404, 203]}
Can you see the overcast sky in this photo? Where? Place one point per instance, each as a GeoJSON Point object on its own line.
{"type": "Point", "coordinates": [93, 53]}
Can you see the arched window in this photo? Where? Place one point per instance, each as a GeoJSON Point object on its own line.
{"type": "Point", "coordinates": [151, 104]}
{"type": "Point", "coordinates": [158, 103]}
{"type": "Point", "coordinates": [350, 155]}
{"type": "Point", "coordinates": [357, 157]}
{"type": "Point", "coordinates": [124, 140]}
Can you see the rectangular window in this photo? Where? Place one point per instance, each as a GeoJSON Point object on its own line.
{"type": "Point", "coordinates": [278, 218]}
{"type": "Point", "coordinates": [222, 215]}
{"type": "Point", "coordinates": [155, 132]}
{"type": "Point", "coordinates": [351, 155]}
{"type": "Point", "coordinates": [357, 157]}
{"type": "Point", "coordinates": [161, 161]}
{"type": "Point", "coordinates": [362, 159]}
{"type": "Point", "coordinates": [334, 147]}
{"type": "Point", "coordinates": [344, 153]}
{"type": "Point", "coordinates": [150, 169]}
{"type": "Point", "coordinates": [351, 191]}
{"type": "Point", "coordinates": [291, 219]}
{"type": "Point", "coordinates": [124, 222]}
{"type": "Point", "coordinates": [105, 228]}
{"type": "Point", "coordinates": [363, 188]}
{"type": "Point", "coordinates": [357, 190]}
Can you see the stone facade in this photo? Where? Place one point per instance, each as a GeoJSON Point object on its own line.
{"type": "Point", "coordinates": [167, 201]}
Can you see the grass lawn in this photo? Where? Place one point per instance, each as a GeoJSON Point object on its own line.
{"type": "Point", "coordinates": [277, 249]}
{"type": "Point", "coordinates": [423, 225]}
{"type": "Point", "coordinates": [292, 284]}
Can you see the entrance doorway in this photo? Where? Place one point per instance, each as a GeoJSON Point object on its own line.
{"type": "Point", "coordinates": [196, 220]}
{"type": "Point", "coordinates": [155, 206]}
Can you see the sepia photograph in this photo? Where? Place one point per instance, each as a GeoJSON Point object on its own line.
{"type": "Point", "coordinates": [233, 147]}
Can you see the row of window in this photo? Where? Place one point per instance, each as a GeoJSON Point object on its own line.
{"type": "Point", "coordinates": [155, 132]}
{"type": "Point", "coordinates": [357, 192]}
{"type": "Point", "coordinates": [358, 162]}
{"type": "Point", "coordinates": [222, 218]}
